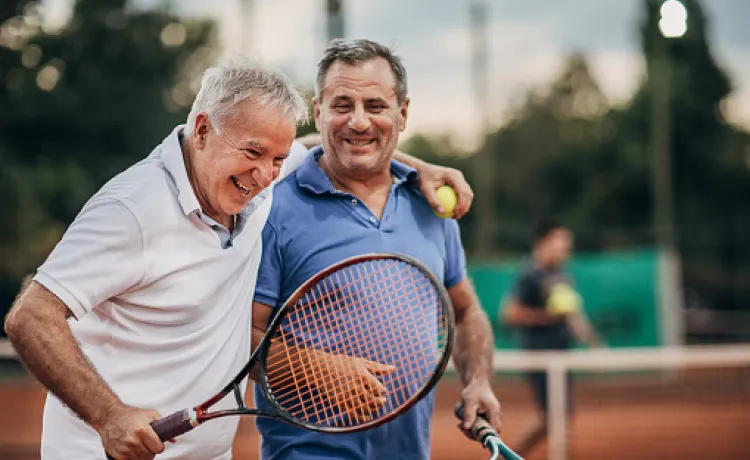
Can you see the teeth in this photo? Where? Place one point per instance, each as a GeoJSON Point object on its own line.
{"type": "Point", "coordinates": [358, 143]}
{"type": "Point", "coordinates": [243, 189]}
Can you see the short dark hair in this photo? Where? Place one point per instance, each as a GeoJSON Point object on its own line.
{"type": "Point", "coordinates": [354, 52]}
{"type": "Point", "coordinates": [544, 228]}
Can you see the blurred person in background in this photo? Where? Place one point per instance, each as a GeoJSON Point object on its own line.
{"type": "Point", "coordinates": [548, 312]}
{"type": "Point", "coordinates": [350, 198]}
{"type": "Point", "coordinates": [132, 314]}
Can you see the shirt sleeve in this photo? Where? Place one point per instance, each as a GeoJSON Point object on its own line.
{"type": "Point", "coordinates": [99, 257]}
{"type": "Point", "coordinates": [268, 287]}
{"type": "Point", "coordinates": [455, 257]}
{"type": "Point", "coordinates": [297, 154]}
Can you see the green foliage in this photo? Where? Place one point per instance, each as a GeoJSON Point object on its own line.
{"type": "Point", "coordinates": [79, 105]}
{"type": "Point", "coordinates": [567, 152]}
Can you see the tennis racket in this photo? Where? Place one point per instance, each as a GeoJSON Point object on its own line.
{"type": "Point", "coordinates": [483, 432]}
{"type": "Point", "coordinates": [355, 346]}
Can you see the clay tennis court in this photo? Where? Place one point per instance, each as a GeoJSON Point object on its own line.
{"type": "Point", "coordinates": [701, 416]}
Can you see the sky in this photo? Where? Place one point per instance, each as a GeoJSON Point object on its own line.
{"type": "Point", "coordinates": [528, 43]}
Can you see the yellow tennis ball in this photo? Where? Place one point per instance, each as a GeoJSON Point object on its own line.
{"type": "Point", "coordinates": [448, 199]}
{"type": "Point", "coordinates": [563, 300]}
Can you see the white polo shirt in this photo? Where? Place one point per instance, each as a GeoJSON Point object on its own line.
{"type": "Point", "coordinates": [163, 308]}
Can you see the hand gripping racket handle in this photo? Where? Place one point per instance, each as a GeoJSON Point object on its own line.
{"type": "Point", "coordinates": [173, 425]}
{"type": "Point", "coordinates": [483, 432]}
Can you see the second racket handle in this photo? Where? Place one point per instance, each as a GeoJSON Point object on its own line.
{"type": "Point", "coordinates": [481, 430]}
{"type": "Point", "coordinates": [174, 425]}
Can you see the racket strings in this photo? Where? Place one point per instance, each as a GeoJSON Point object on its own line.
{"type": "Point", "coordinates": [347, 385]}
{"type": "Point", "coordinates": [351, 324]}
{"type": "Point", "coordinates": [392, 314]}
{"type": "Point", "coordinates": [330, 294]}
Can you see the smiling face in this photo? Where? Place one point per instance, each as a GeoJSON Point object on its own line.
{"type": "Point", "coordinates": [234, 161]}
{"type": "Point", "coordinates": [359, 117]}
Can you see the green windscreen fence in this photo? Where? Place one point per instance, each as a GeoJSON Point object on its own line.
{"type": "Point", "coordinates": [620, 293]}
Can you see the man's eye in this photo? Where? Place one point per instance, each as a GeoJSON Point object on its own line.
{"type": "Point", "coordinates": [252, 153]}
{"type": "Point", "coordinates": [279, 161]}
{"type": "Point", "coordinates": [341, 107]}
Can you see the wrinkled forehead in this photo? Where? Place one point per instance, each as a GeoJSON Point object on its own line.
{"type": "Point", "coordinates": [259, 125]}
{"type": "Point", "coordinates": [368, 80]}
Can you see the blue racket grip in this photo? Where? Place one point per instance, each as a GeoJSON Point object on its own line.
{"type": "Point", "coordinates": [483, 432]}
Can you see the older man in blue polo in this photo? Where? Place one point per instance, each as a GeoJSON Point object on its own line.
{"type": "Point", "coordinates": [350, 198]}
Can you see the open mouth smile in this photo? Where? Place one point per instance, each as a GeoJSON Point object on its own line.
{"type": "Point", "coordinates": [359, 142]}
{"type": "Point", "coordinates": [244, 189]}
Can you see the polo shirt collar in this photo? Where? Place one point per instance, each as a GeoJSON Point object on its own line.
{"type": "Point", "coordinates": [174, 162]}
{"type": "Point", "coordinates": [311, 177]}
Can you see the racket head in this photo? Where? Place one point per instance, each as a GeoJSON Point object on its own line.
{"type": "Point", "coordinates": [337, 315]}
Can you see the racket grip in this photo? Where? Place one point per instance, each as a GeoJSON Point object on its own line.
{"type": "Point", "coordinates": [174, 425]}
{"type": "Point", "coordinates": [481, 430]}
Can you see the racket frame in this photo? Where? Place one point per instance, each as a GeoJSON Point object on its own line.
{"type": "Point", "coordinates": [199, 414]}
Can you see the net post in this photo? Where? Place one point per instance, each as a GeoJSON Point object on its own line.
{"type": "Point", "coordinates": [556, 417]}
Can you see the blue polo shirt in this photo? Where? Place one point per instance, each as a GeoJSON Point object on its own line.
{"type": "Point", "coordinates": [311, 226]}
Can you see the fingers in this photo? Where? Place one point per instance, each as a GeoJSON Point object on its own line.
{"type": "Point", "coordinates": [495, 417]}
{"type": "Point", "coordinates": [464, 193]}
{"type": "Point", "coordinates": [428, 190]}
{"type": "Point", "coordinates": [465, 432]}
{"type": "Point", "coordinates": [379, 369]}
{"type": "Point", "coordinates": [373, 394]}
{"type": "Point", "coordinates": [149, 437]}
{"type": "Point", "coordinates": [470, 413]}
{"type": "Point", "coordinates": [127, 435]}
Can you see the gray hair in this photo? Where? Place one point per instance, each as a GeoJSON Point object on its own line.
{"type": "Point", "coordinates": [354, 52]}
{"type": "Point", "coordinates": [233, 80]}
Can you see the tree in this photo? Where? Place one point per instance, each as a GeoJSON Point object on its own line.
{"type": "Point", "coordinates": [80, 105]}
{"type": "Point", "coordinates": [710, 207]}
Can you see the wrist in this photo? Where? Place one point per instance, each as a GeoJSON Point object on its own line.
{"type": "Point", "coordinates": [477, 379]}
{"type": "Point", "coordinates": [102, 414]}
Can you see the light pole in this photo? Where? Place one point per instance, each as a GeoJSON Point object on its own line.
{"type": "Point", "coordinates": [334, 19]}
{"type": "Point", "coordinates": [672, 25]}
{"type": "Point", "coordinates": [482, 159]}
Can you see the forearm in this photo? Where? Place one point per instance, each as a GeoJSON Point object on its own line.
{"type": "Point", "coordinates": [408, 160]}
{"type": "Point", "coordinates": [47, 347]}
{"type": "Point", "coordinates": [473, 346]}
{"type": "Point", "coordinates": [582, 330]}
{"type": "Point", "coordinates": [518, 315]}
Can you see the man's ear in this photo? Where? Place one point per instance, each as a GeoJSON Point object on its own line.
{"type": "Point", "coordinates": [316, 112]}
{"type": "Point", "coordinates": [404, 113]}
{"type": "Point", "coordinates": [200, 131]}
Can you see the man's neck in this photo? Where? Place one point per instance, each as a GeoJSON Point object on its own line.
{"type": "Point", "coordinates": [187, 156]}
{"type": "Point", "coordinates": [373, 182]}
{"type": "Point", "coordinates": [373, 190]}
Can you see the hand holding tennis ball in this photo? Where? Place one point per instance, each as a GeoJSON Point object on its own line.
{"type": "Point", "coordinates": [448, 199]}
{"type": "Point", "coordinates": [563, 300]}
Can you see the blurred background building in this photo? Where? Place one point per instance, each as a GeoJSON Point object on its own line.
{"type": "Point", "coordinates": [629, 121]}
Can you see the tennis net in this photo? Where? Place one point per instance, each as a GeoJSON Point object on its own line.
{"type": "Point", "coordinates": [682, 402]}
{"type": "Point", "coordinates": [662, 403]}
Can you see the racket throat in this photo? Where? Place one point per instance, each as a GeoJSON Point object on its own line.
{"type": "Point", "coordinates": [196, 416]}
